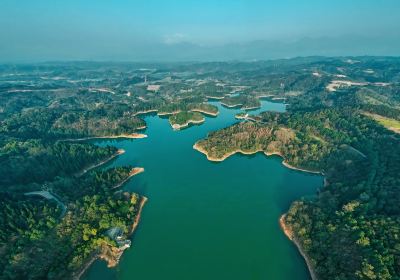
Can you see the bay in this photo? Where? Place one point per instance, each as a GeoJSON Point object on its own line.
{"type": "Point", "coordinates": [207, 220]}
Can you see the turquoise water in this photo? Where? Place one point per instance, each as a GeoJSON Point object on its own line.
{"type": "Point", "coordinates": [207, 220]}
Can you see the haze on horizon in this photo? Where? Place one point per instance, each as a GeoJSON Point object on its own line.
{"type": "Point", "coordinates": [157, 30]}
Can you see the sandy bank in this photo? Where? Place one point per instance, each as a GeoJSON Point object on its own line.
{"type": "Point", "coordinates": [145, 112]}
{"type": "Point", "coordinates": [251, 108]}
{"type": "Point", "coordinates": [210, 158]}
{"type": "Point", "coordinates": [300, 169]}
{"type": "Point", "coordinates": [134, 171]}
{"type": "Point", "coordinates": [265, 96]}
{"type": "Point", "coordinates": [137, 217]}
{"type": "Point", "coordinates": [123, 136]}
{"type": "Point", "coordinates": [128, 136]}
{"type": "Point", "coordinates": [141, 127]}
{"type": "Point", "coordinates": [232, 106]}
{"type": "Point", "coordinates": [186, 124]}
{"type": "Point", "coordinates": [290, 234]}
{"type": "Point", "coordinates": [205, 112]}
{"type": "Point", "coordinates": [241, 117]}
{"type": "Point", "coordinates": [215, 97]}
{"type": "Point", "coordinates": [78, 274]}
{"type": "Point", "coordinates": [168, 113]}
{"type": "Point", "coordinates": [87, 169]}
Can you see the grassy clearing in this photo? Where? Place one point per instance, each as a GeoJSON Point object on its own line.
{"type": "Point", "coordinates": [391, 124]}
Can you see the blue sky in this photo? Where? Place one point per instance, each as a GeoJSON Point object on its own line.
{"type": "Point", "coordinates": [108, 29]}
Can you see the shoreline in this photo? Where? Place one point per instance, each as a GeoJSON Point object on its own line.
{"type": "Point", "coordinates": [205, 112]}
{"type": "Point", "coordinates": [215, 97]}
{"type": "Point", "coordinates": [285, 228]}
{"type": "Point", "coordinates": [86, 267]}
{"type": "Point", "coordinates": [125, 136]}
{"type": "Point", "coordinates": [163, 114]}
{"type": "Point", "coordinates": [93, 166]}
{"type": "Point", "coordinates": [185, 125]}
{"type": "Point", "coordinates": [116, 253]}
{"type": "Point", "coordinates": [139, 213]}
{"type": "Point", "coordinates": [97, 256]}
{"type": "Point", "coordinates": [265, 96]}
{"type": "Point", "coordinates": [251, 108]}
{"type": "Point", "coordinates": [134, 171]}
{"type": "Point", "coordinates": [301, 169]}
{"type": "Point", "coordinates": [232, 106]}
{"type": "Point", "coordinates": [141, 127]}
{"type": "Point", "coordinates": [224, 157]}
{"type": "Point", "coordinates": [244, 117]}
{"type": "Point", "coordinates": [291, 236]}
{"type": "Point", "coordinates": [145, 112]}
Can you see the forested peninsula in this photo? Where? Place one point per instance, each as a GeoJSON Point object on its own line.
{"type": "Point", "coordinates": [350, 229]}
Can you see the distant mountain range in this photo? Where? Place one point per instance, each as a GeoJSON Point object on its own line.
{"type": "Point", "coordinates": [260, 50]}
{"type": "Point", "coordinates": [186, 51]}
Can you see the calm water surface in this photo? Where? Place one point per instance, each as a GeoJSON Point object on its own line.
{"type": "Point", "coordinates": [207, 220]}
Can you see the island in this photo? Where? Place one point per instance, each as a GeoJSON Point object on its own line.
{"type": "Point", "coordinates": [206, 109]}
{"type": "Point", "coordinates": [184, 119]}
{"type": "Point", "coordinates": [241, 116]}
{"type": "Point", "coordinates": [245, 102]}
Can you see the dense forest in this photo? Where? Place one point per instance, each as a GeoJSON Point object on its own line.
{"type": "Point", "coordinates": [44, 239]}
{"type": "Point", "coordinates": [54, 215]}
{"type": "Point", "coordinates": [24, 162]}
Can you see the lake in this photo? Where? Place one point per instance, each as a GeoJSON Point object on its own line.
{"type": "Point", "coordinates": [207, 220]}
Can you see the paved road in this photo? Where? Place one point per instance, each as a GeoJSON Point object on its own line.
{"type": "Point", "coordinates": [49, 195]}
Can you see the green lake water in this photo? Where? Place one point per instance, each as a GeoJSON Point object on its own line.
{"type": "Point", "coordinates": [206, 220]}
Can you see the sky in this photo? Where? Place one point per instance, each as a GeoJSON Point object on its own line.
{"type": "Point", "coordinates": [39, 30]}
